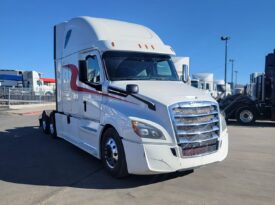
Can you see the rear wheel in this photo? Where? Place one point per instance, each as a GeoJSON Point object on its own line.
{"type": "Point", "coordinates": [52, 127]}
{"type": "Point", "coordinates": [112, 154]}
{"type": "Point", "coordinates": [246, 116]}
{"type": "Point", "coordinates": [44, 123]}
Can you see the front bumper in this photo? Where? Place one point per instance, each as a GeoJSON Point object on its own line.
{"type": "Point", "coordinates": [158, 158]}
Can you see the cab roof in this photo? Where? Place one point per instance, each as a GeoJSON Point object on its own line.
{"type": "Point", "coordinates": [105, 34]}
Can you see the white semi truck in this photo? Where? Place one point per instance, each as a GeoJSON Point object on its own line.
{"type": "Point", "coordinates": [204, 81]}
{"type": "Point", "coordinates": [120, 99]}
{"type": "Point", "coordinates": [32, 80]}
{"type": "Point", "coordinates": [181, 63]}
{"type": "Point", "coordinates": [222, 90]}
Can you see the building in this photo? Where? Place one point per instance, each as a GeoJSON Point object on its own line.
{"type": "Point", "coordinates": [30, 80]}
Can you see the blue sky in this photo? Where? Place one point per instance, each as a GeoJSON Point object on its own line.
{"type": "Point", "coordinates": [192, 27]}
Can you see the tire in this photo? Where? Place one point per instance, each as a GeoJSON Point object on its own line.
{"type": "Point", "coordinates": [52, 127]}
{"type": "Point", "coordinates": [44, 123]}
{"type": "Point", "coordinates": [112, 154]}
{"type": "Point", "coordinates": [246, 116]}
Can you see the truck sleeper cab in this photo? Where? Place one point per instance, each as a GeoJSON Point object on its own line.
{"type": "Point", "coordinates": [120, 99]}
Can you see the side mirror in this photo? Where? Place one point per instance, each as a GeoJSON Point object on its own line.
{"type": "Point", "coordinates": [82, 71]}
{"type": "Point", "coordinates": [185, 73]}
{"type": "Point", "coordinates": [132, 89]}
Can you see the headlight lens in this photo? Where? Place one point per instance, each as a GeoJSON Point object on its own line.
{"type": "Point", "coordinates": [223, 122]}
{"type": "Point", "coordinates": [146, 131]}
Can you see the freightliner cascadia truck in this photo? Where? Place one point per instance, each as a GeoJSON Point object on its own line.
{"type": "Point", "coordinates": [120, 99]}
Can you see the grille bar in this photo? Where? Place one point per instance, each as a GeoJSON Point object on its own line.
{"type": "Point", "coordinates": [200, 150]}
{"type": "Point", "coordinates": [196, 124]}
{"type": "Point", "coordinates": [186, 141]}
{"type": "Point", "coordinates": [197, 132]}
{"type": "Point", "coordinates": [195, 115]}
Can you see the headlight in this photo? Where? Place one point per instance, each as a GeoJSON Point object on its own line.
{"type": "Point", "coordinates": [223, 122]}
{"type": "Point", "coordinates": [147, 131]}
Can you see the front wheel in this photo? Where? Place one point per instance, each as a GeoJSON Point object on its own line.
{"type": "Point", "coordinates": [246, 116]}
{"type": "Point", "coordinates": [112, 154]}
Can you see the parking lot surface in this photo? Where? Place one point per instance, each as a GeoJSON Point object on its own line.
{"type": "Point", "coordinates": [36, 169]}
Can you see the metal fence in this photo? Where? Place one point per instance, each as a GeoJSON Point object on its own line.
{"type": "Point", "coordinates": [18, 96]}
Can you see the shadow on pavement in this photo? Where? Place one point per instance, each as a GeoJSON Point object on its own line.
{"type": "Point", "coordinates": [27, 156]}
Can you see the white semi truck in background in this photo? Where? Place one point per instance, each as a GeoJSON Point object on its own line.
{"type": "Point", "coordinates": [222, 89]}
{"type": "Point", "coordinates": [204, 81]}
{"type": "Point", "coordinates": [182, 63]}
{"type": "Point", "coordinates": [216, 88]}
{"type": "Point", "coordinates": [120, 99]}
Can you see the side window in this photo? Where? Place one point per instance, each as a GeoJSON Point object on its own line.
{"type": "Point", "coordinates": [93, 69]}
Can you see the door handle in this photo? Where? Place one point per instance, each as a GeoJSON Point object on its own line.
{"type": "Point", "coordinates": [85, 106]}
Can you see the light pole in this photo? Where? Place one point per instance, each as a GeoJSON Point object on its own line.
{"type": "Point", "coordinates": [236, 78]}
{"type": "Point", "coordinates": [232, 71]}
{"type": "Point", "coordinates": [225, 38]}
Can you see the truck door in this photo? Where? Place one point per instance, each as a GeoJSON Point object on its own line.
{"type": "Point", "coordinates": [90, 97]}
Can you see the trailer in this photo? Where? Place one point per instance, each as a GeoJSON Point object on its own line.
{"type": "Point", "coordinates": [120, 99]}
{"type": "Point", "coordinates": [258, 100]}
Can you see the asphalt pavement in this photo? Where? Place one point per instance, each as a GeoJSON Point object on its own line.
{"type": "Point", "coordinates": [36, 169]}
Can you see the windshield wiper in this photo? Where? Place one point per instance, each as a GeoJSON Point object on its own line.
{"type": "Point", "coordinates": [117, 79]}
{"type": "Point", "coordinates": [160, 78]}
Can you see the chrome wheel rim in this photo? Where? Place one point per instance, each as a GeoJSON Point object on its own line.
{"type": "Point", "coordinates": [51, 128]}
{"type": "Point", "coordinates": [111, 153]}
{"type": "Point", "coordinates": [44, 124]}
{"type": "Point", "coordinates": [246, 116]}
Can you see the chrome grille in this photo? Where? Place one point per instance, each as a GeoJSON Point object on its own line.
{"type": "Point", "coordinates": [197, 127]}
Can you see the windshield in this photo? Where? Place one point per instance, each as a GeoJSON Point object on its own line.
{"type": "Point", "coordinates": [139, 66]}
{"type": "Point", "coordinates": [194, 83]}
{"type": "Point", "coordinates": [220, 88]}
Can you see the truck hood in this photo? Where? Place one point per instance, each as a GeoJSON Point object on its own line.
{"type": "Point", "coordinates": [166, 92]}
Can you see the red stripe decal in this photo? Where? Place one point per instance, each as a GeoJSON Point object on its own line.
{"type": "Point", "coordinates": [75, 87]}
